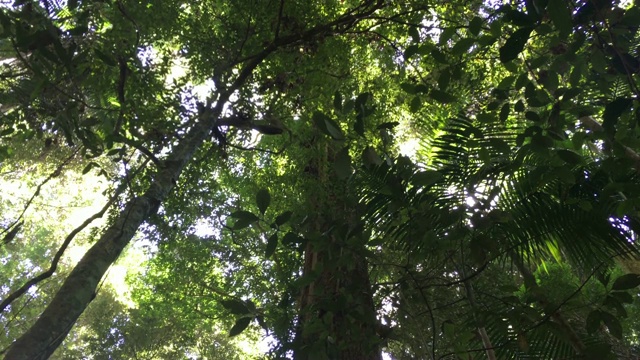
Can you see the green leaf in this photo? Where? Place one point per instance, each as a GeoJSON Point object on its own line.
{"type": "Point", "coordinates": [622, 296]}
{"type": "Point", "coordinates": [486, 40]}
{"type": "Point", "coordinates": [348, 106]}
{"type": "Point", "coordinates": [439, 56]}
{"type": "Point", "coordinates": [263, 199]}
{"type": "Point", "coordinates": [560, 15]}
{"type": "Point", "coordinates": [506, 83]}
{"type": "Point", "coordinates": [442, 96]}
{"type": "Point", "coordinates": [239, 326]}
{"type": "Point", "coordinates": [72, 4]}
{"type": "Point", "coordinates": [334, 129]}
{"type": "Point", "coordinates": [362, 100]}
{"type": "Point", "coordinates": [475, 25]}
{"type": "Point", "coordinates": [416, 104]}
{"type": "Point", "coordinates": [443, 79]}
{"type": "Point", "coordinates": [342, 164]}
{"type": "Point", "coordinates": [371, 157]}
{"type": "Point", "coordinates": [462, 46]}
{"type": "Point", "coordinates": [576, 74]}
{"type": "Point", "coordinates": [426, 178]}
{"type": "Point", "coordinates": [518, 18]}
{"type": "Point", "coordinates": [613, 303]}
{"type": "Point", "coordinates": [272, 243]}
{"type": "Point", "coordinates": [496, 28]}
{"type": "Point", "coordinates": [541, 142]}
{"type": "Point", "coordinates": [598, 351]}
{"type": "Point", "coordinates": [504, 112]}
{"type": "Point", "coordinates": [235, 306]}
{"type": "Point", "coordinates": [484, 155]}
{"type": "Point", "coordinates": [626, 282]}
{"type": "Point", "coordinates": [242, 214]}
{"type": "Point", "coordinates": [612, 113]}
{"type": "Point", "coordinates": [358, 126]}
{"type": "Point", "coordinates": [291, 239]}
{"type": "Point", "coordinates": [414, 33]}
{"type": "Point", "coordinates": [107, 59]}
{"type": "Point", "coordinates": [337, 101]}
{"type": "Point", "coordinates": [410, 51]}
{"type": "Point", "coordinates": [593, 321]}
{"type": "Point", "coordinates": [408, 88]}
{"type": "Point", "coordinates": [446, 35]}
{"type": "Point", "coordinates": [283, 218]}
{"type": "Point", "coordinates": [515, 44]}
{"type": "Point", "coordinates": [243, 219]}
{"type": "Point", "coordinates": [522, 81]}
{"type": "Point", "coordinates": [388, 125]}
{"type": "Point", "coordinates": [612, 323]}
{"type": "Point", "coordinates": [89, 166]}
{"type": "Point", "coordinates": [486, 117]}
{"type": "Point", "coordinates": [533, 116]}
{"type": "Point", "coordinates": [570, 157]}
{"type": "Point", "coordinates": [327, 125]}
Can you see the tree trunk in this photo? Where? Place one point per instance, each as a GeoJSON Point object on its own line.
{"type": "Point", "coordinates": [337, 318]}
{"type": "Point", "coordinates": [79, 287]}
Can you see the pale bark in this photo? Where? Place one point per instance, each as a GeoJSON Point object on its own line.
{"type": "Point", "coordinates": [78, 289]}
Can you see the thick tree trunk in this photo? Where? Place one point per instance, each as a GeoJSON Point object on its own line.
{"type": "Point", "coordinates": [337, 314]}
{"type": "Point", "coordinates": [79, 287]}
{"type": "Point", "coordinates": [337, 317]}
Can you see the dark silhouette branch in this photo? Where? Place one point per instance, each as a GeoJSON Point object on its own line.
{"type": "Point", "coordinates": [56, 259]}
{"type": "Point", "coordinates": [54, 174]}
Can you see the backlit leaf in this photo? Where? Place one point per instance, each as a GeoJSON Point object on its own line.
{"type": "Point", "coordinates": [283, 218]}
{"type": "Point", "coordinates": [235, 306]}
{"type": "Point", "coordinates": [239, 326]}
{"type": "Point", "coordinates": [272, 243]}
{"type": "Point", "coordinates": [337, 100]}
{"type": "Point", "coordinates": [626, 282]}
{"type": "Point", "coordinates": [475, 25]}
{"type": "Point", "coordinates": [560, 15]}
{"type": "Point", "coordinates": [416, 104]}
{"type": "Point", "coordinates": [426, 178]}
{"type": "Point", "coordinates": [442, 96]}
{"type": "Point", "coordinates": [462, 46]}
{"type": "Point", "coordinates": [263, 199]}
{"type": "Point", "coordinates": [515, 44]}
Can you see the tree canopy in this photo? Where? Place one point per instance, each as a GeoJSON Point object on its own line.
{"type": "Point", "coordinates": [353, 179]}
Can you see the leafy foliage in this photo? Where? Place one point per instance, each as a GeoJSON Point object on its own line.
{"type": "Point", "coordinates": [443, 180]}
